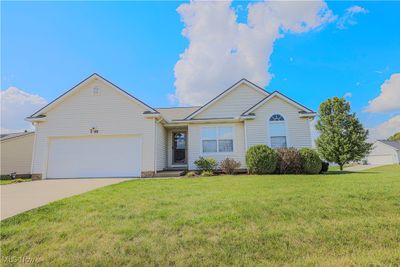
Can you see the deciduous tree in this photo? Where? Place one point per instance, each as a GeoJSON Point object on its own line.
{"type": "Point", "coordinates": [342, 137]}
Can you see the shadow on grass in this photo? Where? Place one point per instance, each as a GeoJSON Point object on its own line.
{"type": "Point", "coordinates": [347, 172]}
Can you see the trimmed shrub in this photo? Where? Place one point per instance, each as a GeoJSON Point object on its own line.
{"type": "Point", "coordinates": [312, 164]}
{"type": "Point", "coordinates": [5, 177]}
{"type": "Point", "coordinates": [229, 166]}
{"type": "Point", "coordinates": [325, 167]}
{"type": "Point", "coordinates": [261, 159]}
{"type": "Point", "coordinates": [289, 161]}
{"type": "Point", "coordinates": [190, 174]}
{"type": "Point", "coordinates": [207, 173]}
{"type": "Point", "coordinates": [206, 164]}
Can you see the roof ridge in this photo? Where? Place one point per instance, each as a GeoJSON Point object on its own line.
{"type": "Point", "coordinates": [178, 107]}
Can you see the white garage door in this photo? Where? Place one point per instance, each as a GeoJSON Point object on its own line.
{"type": "Point", "coordinates": [380, 159]}
{"type": "Point", "coordinates": [94, 156]}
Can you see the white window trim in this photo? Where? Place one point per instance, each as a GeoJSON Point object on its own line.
{"type": "Point", "coordinates": [217, 152]}
{"type": "Point", "coordinates": [269, 127]}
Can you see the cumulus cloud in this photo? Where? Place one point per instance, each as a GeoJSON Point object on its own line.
{"type": "Point", "coordinates": [16, 105]}
{"type": "Point", "coordinates": [348, 19]}
{"type": "Point", "coordinates": [385, 130]}
{"type": "Point", "coordinates": [222, 51]}
{"type": "Point", "coordinates": [389, 98]}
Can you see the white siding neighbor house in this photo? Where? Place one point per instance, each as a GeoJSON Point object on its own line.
{"type": "Point", "coordinates": [16, 153]}
{"type": "Point", "coordinates": [96, 129]}
{"type": "Point", "coordinates": [384, 152]}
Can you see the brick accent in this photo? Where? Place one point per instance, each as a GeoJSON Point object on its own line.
{"type": "Point", "coordinates": [147, 174]}
{"type": "Point", "coordinates": [36, 176]}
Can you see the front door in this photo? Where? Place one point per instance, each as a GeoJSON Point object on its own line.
{"type": "Point", "coordinates": [179, 148]}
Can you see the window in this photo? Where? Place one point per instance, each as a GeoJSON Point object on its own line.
{"type": "Point", "coordinates": [277, 130]}
{"type": "Point", "coordinates": [217, 139]}
{"type": "Point", "coordinates": [96, 91]}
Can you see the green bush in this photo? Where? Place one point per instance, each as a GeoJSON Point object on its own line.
{"type": "Point", "coordinates": [207, 173]}
{"type": "Point", "coordinates": [311, 162]}
{"type": "Point", "coordinates": [289, 161]}
{"type": "Point", "coordinates": [229, 166]}
{"type": "Point", "coordinates": [206, 164]}
{"type": "Point", "coordinates": [261, 159]}
{"type": "Point", "coordinates": [5, 177]}
{"type": "Point", "coordinates": [190, 174]}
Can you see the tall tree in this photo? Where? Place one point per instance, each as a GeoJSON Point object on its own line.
{"type": "Point", "coordinates": [395, 137]}
{"type": "Point", "coordinates": [342, 137]}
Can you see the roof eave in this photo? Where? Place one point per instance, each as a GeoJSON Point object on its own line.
{"type": "Point", "coordinates": [35, 119]}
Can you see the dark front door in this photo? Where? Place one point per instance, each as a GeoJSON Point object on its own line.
{"type": "Point", "coordinates": [179, 148]}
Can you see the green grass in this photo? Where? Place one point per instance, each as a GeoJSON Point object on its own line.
{"type": "Point", "coordinates": [326, 220]}
{"type": "Point", "coordinates": [19, 180]}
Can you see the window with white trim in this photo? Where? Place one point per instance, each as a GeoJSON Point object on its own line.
{"type": "Point", "coordinates": [217, 139]}
{"type": "Point", "coordinates": [277, 130]}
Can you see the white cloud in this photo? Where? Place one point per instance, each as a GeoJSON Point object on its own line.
{"type": "Point", "coordinates": [385, 130]}
{"type": "Point", "coordinates": [222, 51]}
{"type": "Point", "coordinates": [348, 19]}
{"type": "Point", "coordinates": [347, 95]}
{"type": "Point", "coordinates": [16, 105]}
{"type": "Point", "coordinates": [389, 99]}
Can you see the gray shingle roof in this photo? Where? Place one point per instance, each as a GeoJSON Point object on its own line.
{"type": "Point", "coordinates": [395, 144]}
{"type": "Point", "coordinates": [176, 113]}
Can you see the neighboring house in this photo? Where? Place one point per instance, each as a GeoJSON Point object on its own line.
{"type": "Point", "coordinates": [97, 129]}
{"type": "Point", "coordinates": [16, 153]}
{"type": "Point", "coordinates": [384, 152]}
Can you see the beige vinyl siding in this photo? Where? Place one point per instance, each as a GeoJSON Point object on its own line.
{"type": "Point", "coordinates": [111, 112]}
{"type": "Point", "coordinates": [161, 147]}
{"type": "Point", "coordinates": [16, 154]}
{"type": "Point", "coordinates": [297, 129]}
{"type": "Point", "coordinates": [169, 147]}
{"type": "Point", "coordinates": [195, 146]}
{"type": "Point", "coordinates": [233, 104]}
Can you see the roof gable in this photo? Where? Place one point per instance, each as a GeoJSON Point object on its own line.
{"type": "Point", "coordinates": [281, 96]}
{"type": "Point", "coordinates": [224, 93]}
{"type": "Point", "coordinates": [93, 77]}
{"type": "Point", "coordinates": [14, 135]}
{"type": "Point", "coordinates": [393, 144]}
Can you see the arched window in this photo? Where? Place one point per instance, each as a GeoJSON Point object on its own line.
{"type": "Point", "coordinates": [277, 131]}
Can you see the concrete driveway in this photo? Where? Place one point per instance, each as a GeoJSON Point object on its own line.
{"type": "Point", "coordinates": [20, 197]}
{"type": "Point", "coordinates": [360, 168]}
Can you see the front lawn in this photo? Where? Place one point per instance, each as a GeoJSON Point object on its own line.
{"type": "Point", "coordinates": [326, 220]}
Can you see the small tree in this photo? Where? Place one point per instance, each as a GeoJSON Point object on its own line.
{"type": "Point", "coordinates": [206, 164]}
{"type": "Point", "coordinates": [342, 137]}
{"type": "Point", "coordinates": [395, 137]}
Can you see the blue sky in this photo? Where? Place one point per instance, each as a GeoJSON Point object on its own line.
{"type": "Point", "coordinates": [48, 47]}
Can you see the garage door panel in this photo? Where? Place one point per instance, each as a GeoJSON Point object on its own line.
{"type": "Point", "coordinates": [380, 159]}
{"type": "Point", "coordinates": [94, 157]}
